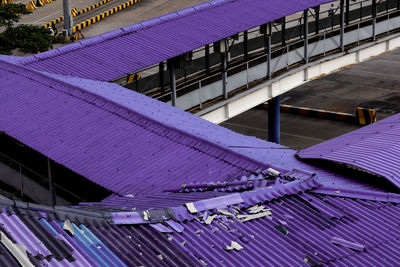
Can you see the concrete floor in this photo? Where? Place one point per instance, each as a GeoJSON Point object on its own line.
{"type": "Point", "coordinates": [141, 11]}
{"type": "Point", "coordinates": [372, 84]}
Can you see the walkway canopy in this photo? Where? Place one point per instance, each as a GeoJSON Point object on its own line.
{"type": "Point", "coordinates": [129, 49]}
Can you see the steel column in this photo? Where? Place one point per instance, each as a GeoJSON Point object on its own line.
{"type": "Point", "coordinates": [52, 193]}
{"type": "Point", "coordinates": [161, 76]}
{"type": "Point", "coordinates": [172, 81]}
{"type": "Point", "coordinates": [207, 50]}
{"type": "Point", "coordinates": [316, 10]}
{"type": "Point", "coordinates": [245, 44]}
{"type": "Point", "coordinates": [341, 25]}
{"type": "Point", "coordinates": [224, 58]}
{"type": "Point", "coordinates": [305, 15]}
{"type": "Point", "coordinates": [373, 19]}
{"type": "Point", "coordinates": [274, 120]}
{"type": "Point", "coordinates": [283, 30]}
{"type": "Point", "coordinates": [68, 21]}
{"type": "Point", "coordinates": [269, 71]}
{"type": "Point", "coordinates": [347, 12]}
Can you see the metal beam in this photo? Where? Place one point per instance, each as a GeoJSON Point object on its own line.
{"type": "Point", "coordinates": [283, 30]}
{"type": "Point", "coordinates": [316, 10]}
{"type": "Point", "coordinates": [161, 76]}
{"type": "Point", "coordinates": [52, 193]}
{"type": "Point", "coordinates": [172, 81]}
{"type": "Point", "coordinates": [305, 15]}
{"type": "Point", "coordinates": [274, 120]}
{"type": "Point", "coordinates": [341, 25]}
{"type": "Point", "coordinates": [245, 44]}
{"type": "Point", "coordinates": [224, 59]}
{"type": "Point", "coordinates": [373, 20]}
{"type": "Point", "coordinates": [269, 58]}
{"type": "Point", "coordinates": [207, 51]}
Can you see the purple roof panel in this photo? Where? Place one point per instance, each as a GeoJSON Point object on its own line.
{"type": "Point", "coordinates": [135, 47]}
{"type": "Point", "coordinates": [109, 143]}
{"type": "Point", "coordinates": [373, 148]}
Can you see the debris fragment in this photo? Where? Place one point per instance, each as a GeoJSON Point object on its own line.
{"type": "Point", "coordinates": [191, 208]}
{"type": "Point", "coordinates": [67, 226]}
{"type": "Point", "coordinates": [161, 228]}
{"type": "Point", "coordinates": [282, 222]}
{"type": "Point", "coordinates": [160, 256]}
{"type": "Point", "coordinates": [183, 243]}
{"type": "Point", "coordinates": [17, 250]}
{"type": "Point", "coordinates": [129, 195]}
{"type": "Point", "coordinates": [281, 229]}
{"type": "Point", "coordinates": [170, 238]}
{"type": "Point", "coordinates": [245, 218]}
{"type": "Point", "coordinates": [210, 219]}
{"type": "Point", "coordinates": [287, 216]}
{"type": "Point", "coordinates": [176, 226]}
{"type": "Point", "coordinates": [347, 244]}
{"type": "Point", "coordinates": [234, 246]}
{"type": "Point", "coordinates": [226, 213]}
{"type": "Point", "coordinates": [198, 231]}
{"type": "Point", "coordinates": [257, 209]}
{"type": "Point", "coordinates": [146, 215]}
{"type": "Point", "coordinates": [273, 172]}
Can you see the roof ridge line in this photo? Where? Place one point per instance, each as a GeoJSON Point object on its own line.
{"type": "Point", "coordinates": [168, 127]}
{"type": "Point", "coordinates": [122, 31]}
{"type": "Point", "coordinates": [356, 193]}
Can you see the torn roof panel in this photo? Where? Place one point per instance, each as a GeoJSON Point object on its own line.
{"type": "Point", "coordinates": [373, 148]}
{"type": "Point", "coordinates": [146, 43]}
{"type": "Point", "coordinates": [296, 233]}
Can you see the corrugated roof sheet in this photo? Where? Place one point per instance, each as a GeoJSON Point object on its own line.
{"type": "Point", "coordinates": [107, 142]}
{"type": "Point", "coordinates": [373, 148]}
{"type": "Point", "coordinates": [114, 54]}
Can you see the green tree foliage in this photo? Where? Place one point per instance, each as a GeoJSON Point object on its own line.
{"type": "Point", "coordinates": [27, 38]}
{"type": "Point", "coordinates": [11, 13]}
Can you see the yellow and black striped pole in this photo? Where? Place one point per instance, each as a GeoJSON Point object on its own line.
{"type": "Point", "coordinates": [365, 116]}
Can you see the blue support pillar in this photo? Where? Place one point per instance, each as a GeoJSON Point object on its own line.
{"type": "Point", "coordinates": [274, 116]}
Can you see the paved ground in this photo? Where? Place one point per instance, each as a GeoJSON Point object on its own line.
{"type": "Point", "coordinates": [144, 10]}
{"type": "Point", "coordinates": [372, 84]}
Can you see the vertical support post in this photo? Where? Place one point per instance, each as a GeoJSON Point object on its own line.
{"type": "Point", "coordinates": [52, 193]}
{"type": "Point", "coordinates": [341, 25]}
{"type": "Point", "coordinates": [172, 81]}
{"type": "Point", "coordinates": [224, 58]}
{"type": "Point", "coordinates": [283, 30]}
{"type": "Point", "coordinates": [347, 12]}
{"type": "Point", "coordinates": [266, 30]}
{"type": "Point", "coordinates": [398, 4]}
{"type": "Point", "coordinates": [373, 20]}
{"type": "Point", "coordinates": [245, 44]}
{"type": "Point", "coordinates": [68, 21]}
{"type": "Point", "coordinates": [207, 50]}
{"type": "Point", "coordinates": [269, 71]}
{"type": "Point", "coordinates": [161, 76]}
{"type": "Point", "coordinates": [316, 10]}
{"type": "Point", "coordinates": [305, 15]}
{"type": "Point", "coordinates": [274, 120]}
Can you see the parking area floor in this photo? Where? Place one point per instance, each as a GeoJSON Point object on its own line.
{"type": "Point", "coordinates": [371, 84]}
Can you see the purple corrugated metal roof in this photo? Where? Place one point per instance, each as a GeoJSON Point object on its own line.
{"type": "Point", "coordinates": [298, 232]}
{"type": "Point", "coordinates": [285, 158]}
{"type": "Point", "coordinates": [112, 55]}
{"type": "Point", "coordinates": [106, 142]}
{"type": "Point", "coordinates": [373, 148]}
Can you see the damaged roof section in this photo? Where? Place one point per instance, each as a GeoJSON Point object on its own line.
{"type": "Point", "coordinates": [373, 148]}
